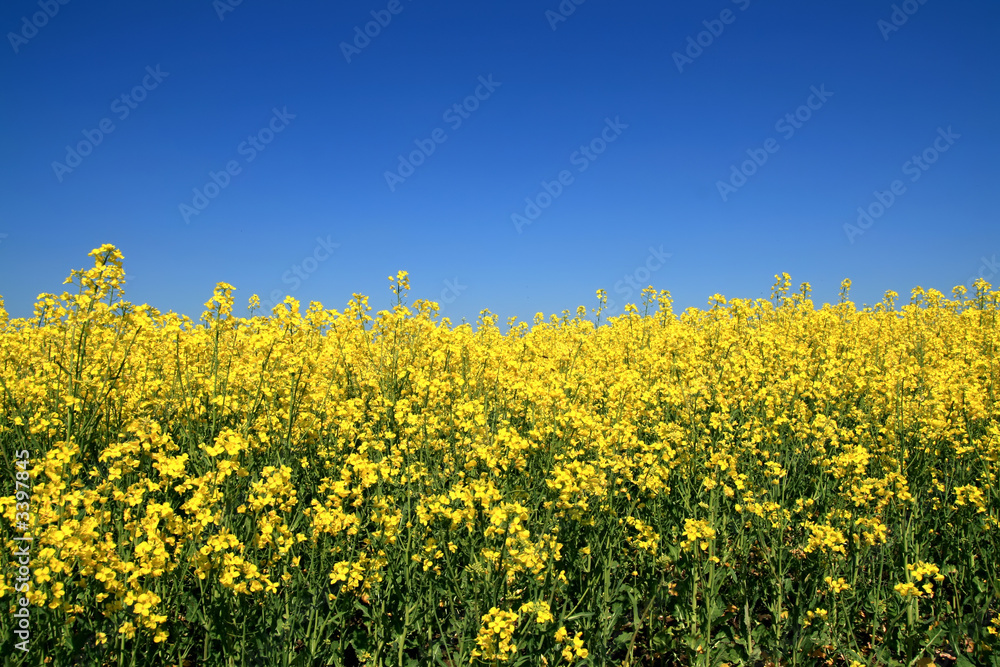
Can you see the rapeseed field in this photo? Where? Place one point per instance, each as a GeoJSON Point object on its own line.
{"type": "Point", "coordinates": [762, 482]}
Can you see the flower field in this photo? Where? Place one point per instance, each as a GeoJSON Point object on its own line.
{"type": "Point", "coordinates": [760, 482]}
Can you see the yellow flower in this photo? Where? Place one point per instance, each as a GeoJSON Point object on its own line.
{"type": "Point", "coordinates": [695, 530]}
{"type": "Point", "coordinates": [920, 569]}
{"type": "Point", "coordinates": [819, 613]}
{"type": "Point", "coordinates": [495, 639]}
{"type": "Point", "coordinates": [837, 585]}
{"type": "Point", "coordinates": [574, 649]}
{"type": "Point", "coordinates": [540, 609]}
{"type": "Point", "coordinates": [825, 538]}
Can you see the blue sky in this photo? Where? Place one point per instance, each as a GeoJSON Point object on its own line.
{"type": "Point", "coordinates": [515, 156]}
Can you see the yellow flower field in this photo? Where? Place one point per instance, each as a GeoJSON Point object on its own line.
{"type": "Point", "coordinates": [760, 482]}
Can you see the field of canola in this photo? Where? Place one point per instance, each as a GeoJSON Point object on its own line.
{"type": "Point", "coordinates": [763, 482]}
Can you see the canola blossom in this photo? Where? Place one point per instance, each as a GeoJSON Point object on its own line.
{"type": "Point", "coordinates": [758, 482]}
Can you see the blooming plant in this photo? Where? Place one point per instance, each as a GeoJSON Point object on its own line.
{"type": "Point", "coordinates": [763, 481]}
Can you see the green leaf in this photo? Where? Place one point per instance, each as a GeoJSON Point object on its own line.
{"type": "Point", "coordinates": [660, 641]}
{"type": "Point", "coordinates": [625, 638]}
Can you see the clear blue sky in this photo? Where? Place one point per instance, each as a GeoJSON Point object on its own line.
{"type": "Point", "coordinates": [633, 126]}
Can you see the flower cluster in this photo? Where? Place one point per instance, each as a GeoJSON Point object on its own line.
{"type": "Point", "coordinates": [330, 486]}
